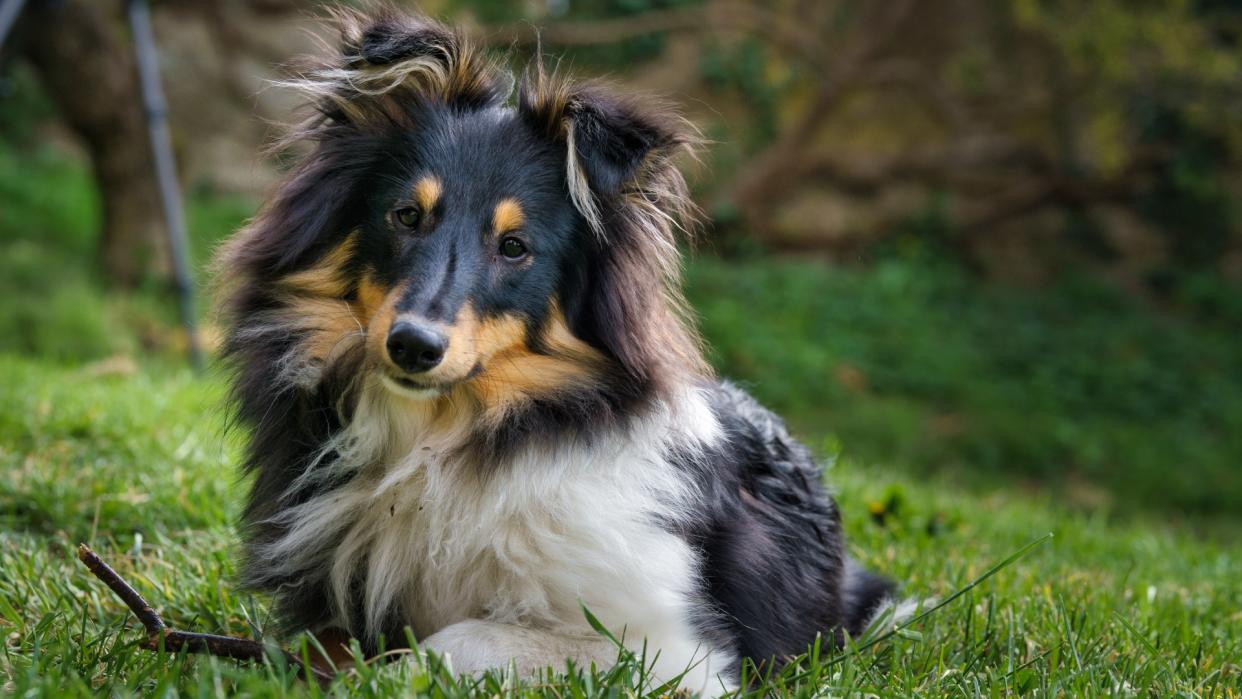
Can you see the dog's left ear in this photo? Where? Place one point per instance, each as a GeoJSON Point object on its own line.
{"type": "Point", "coordinates": [615, 145]}
{"type": "Point", "coordinates": [621, 176]}
{"type": "Point", "coordinates": [611, 139]}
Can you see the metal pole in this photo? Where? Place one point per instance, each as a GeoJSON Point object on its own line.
{"type": "Point", "coordinates": [165, 170]}
{"type": "Point", "coordinates": [9, 11]}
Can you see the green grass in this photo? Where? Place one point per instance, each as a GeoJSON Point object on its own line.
{"type": "Point", "coordinates": [942, 400]}
{"type": "Point", "coordinates": [136, 465]}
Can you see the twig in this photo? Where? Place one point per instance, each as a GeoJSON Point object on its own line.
{"type": "Point", "coordinates": [160, 636]}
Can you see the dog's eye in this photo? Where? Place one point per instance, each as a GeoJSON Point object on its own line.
{"type": "Point", "coordinates": [512, 248]}
{"type": "Point", "coordinates": [406, 216]}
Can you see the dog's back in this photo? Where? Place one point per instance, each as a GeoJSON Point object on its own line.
{"type": "Point", "coordinates": [773, 552]}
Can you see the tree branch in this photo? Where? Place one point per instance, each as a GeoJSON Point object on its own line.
{"type": "Point", "coordinates": [591, 33]}
{"type": "Point", "coordinates": [756, 190]}
{"type": "Point", "coordinates": [782, 33]}
{"type": "Point", "coordinates": [159, 635]}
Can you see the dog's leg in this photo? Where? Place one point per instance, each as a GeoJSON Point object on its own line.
{"type": "Point", "coordinates": [475, 646]}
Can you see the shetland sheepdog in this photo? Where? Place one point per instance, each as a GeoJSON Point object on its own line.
{"type": "Point", "coordinates": [474, 401]}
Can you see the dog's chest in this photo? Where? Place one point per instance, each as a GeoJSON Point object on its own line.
{"type": "Point", "coordinates": [527, 544]}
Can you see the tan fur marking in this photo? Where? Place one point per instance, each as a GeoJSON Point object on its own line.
{"type": "Point", "coordinates": [561, 339]}
{"type": "Point", "coordinates": [326, 278]}
{"type": "Point", "coordinates": [370, 296]}
{"type": "Point", "coordinates": [427, 192]}
{"type": "Point", "coordinates": [514, 373]}
{"type": "Point", "coordinates": [508, 216]}
{"type": "Point", "coordinates": [498, 335]}
{"type": "Point", "coordinates": [381, 322]}
{"type": "Point", "coordinates": [509, 370]}
{"type": "Point", "coordinates": [318, 304]}
{"type": "Point", "coordinates": [329, 323]}
{"type": "Point", "coordinates": [463, 348]}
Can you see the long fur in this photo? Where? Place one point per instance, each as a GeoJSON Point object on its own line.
{"type": "Point", "coordinates": [571, 447]}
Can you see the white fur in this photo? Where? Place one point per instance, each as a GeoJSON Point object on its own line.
{"type": "Point", "coordinates": [474, 646]}
{"type": "Point", "coordinates": [579, 188]}
{"type": "Point", "coordinates": [491, 562]}
{"type": "Point", "coordinates": [892, 613]}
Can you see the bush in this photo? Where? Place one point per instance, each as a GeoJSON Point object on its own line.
{"type": "Point", "coordinates": [55, 305]}
{"type": "Point", "coordinates": [1075, 386]}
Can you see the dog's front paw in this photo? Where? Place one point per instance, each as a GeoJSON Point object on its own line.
{"type": "Point", "coordinates": [475, 646]}
{"type": "Point", "coordinates": [471, 647]}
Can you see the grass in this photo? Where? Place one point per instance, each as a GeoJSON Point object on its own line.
{"type": "Point", "coordinates": [939, 400]}
{"type": "Point", "coordinates": [135, 464]}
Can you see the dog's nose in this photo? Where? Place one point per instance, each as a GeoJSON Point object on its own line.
{"type": "Point", "coordinates": [415, 348]}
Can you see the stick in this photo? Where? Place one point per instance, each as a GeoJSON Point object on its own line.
{"type": "Point", "coordinates": [159, 635]}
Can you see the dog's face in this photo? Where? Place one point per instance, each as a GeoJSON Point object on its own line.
{"type": "Point", "coordinates": [443, 240]}
{"type": "Point", "coordinates": [461, 248]}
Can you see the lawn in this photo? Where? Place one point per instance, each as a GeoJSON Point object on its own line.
{"type": "Point", "coordinates": [134, 462]}
{"type": "Point", "coordinates": [963, 421]}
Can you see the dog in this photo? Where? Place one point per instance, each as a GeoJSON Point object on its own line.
{"type": "Point", "coordinates": [474, 402]}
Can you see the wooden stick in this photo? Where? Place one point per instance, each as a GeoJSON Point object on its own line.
{"type": "Point", "coordinates": [159, 635]}
{"type": "Point", "coordinates": [145, 612]}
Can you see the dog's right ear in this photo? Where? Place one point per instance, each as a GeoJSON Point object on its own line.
{"type": "Point", "coordinates": [390, 63]}
{"type": "Point", "coordinates": [388, 68]}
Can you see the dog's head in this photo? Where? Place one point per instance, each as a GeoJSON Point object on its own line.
{"type": "Point", "coordinates": [445, 237]}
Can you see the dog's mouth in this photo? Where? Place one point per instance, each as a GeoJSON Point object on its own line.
{"type": "Point", "coordinates": [411, 388]}
{"type": "Point", "coordinates": [422, 390]}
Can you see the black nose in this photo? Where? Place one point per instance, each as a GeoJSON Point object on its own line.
{"type": "Point", "coordinates": [415, 348]}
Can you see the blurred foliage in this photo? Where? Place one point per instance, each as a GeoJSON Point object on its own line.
{"type": "Point", "coordinates": [744, 68]}
{"type": "Point", "coordinates": [911, 361]}
{"type": "Point", "coordinates": [1030, 123]}
{"type": "Point", "coordinates": [54, 304]}
{"type": "Point", "coordinates": [615, 56]}
{"type": "Point", "coordinates": [51, 306]}
{"type": "Point", "coordinates": [1157, 76]}
{"type": "Point", "coordinates": [23, 105]}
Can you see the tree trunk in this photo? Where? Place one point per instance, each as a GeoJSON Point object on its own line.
{"type": "Point", "coordinates": [85, 61]}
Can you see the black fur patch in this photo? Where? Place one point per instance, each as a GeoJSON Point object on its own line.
{"type": "Point", "coordinates": [774, 560]}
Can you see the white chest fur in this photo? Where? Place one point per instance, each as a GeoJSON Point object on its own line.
{"type": "Point", "coordinates": [523, 543]}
